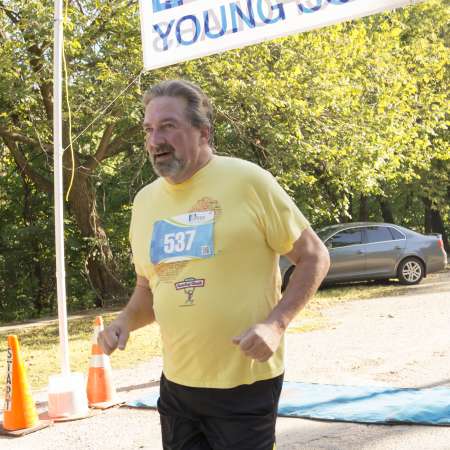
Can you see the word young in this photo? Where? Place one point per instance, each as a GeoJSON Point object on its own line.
{"type": "Point", "coordinates": [230, 18]}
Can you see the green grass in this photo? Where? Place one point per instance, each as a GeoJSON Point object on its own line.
{"type": "Point", "coordinates": [40, 341]}
{"type": "Point", "coordinates": [41, 351]}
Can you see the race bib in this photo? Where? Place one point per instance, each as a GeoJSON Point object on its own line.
{"type": "Point", "coordinates": [181, 238]}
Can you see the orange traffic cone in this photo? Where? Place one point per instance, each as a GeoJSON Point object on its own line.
{"type": "Point", "coordinates": [19, 413]}
{"type": "Point", "coordinates": [101, 392]}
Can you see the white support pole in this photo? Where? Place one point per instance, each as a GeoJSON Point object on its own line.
{"type": "Point", "coordinates": [58, 187]}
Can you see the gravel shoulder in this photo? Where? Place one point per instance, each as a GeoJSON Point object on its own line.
{"type": "Point", "coordinates": [395, 341]}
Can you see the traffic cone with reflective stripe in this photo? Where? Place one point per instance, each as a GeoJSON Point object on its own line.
{"type": "Point", "coordinates": [19, 410]}
{"type": "Point", "coordinates": [101, 392]}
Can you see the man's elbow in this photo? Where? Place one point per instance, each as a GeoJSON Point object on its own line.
{"type": "Point", "coordinates": [320, 261]}
{"type": "Point", "coordinates": [324, 261]}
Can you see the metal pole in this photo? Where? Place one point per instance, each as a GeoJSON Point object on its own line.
{"type": "Point", "coordinates": [58, 186]}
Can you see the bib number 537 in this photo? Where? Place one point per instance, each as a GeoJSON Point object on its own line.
{"type": "Point", "coordinates": [178, 242]}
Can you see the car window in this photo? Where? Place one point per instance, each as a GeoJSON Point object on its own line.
{"type": "Point", "coordinates": [396, 234]}
{"type": "Point", "coordinates": [323, 233]}
{"type": "Point", "coordinates": [352, 236]}
{"type": "Point", "coordinates": [378, 234]}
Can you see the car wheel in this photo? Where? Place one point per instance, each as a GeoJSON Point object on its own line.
{"type": "Point", "coordinates": [286, 277]}
{"type": "Point", "coordinates": [410, 271]}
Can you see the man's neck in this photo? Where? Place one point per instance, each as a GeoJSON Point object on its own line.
{"type": "Point", "coordinates": [204, 158]}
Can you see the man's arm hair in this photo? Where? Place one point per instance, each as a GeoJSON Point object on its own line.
{"type": "Point", "coordinates": [139, 310]}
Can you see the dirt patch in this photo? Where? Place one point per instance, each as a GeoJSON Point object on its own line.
{"type": "Point", "coordinates": [399, 341]}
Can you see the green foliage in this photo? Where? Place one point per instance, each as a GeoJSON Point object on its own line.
{"type": "Point", "coordinates": [344, 117]}
{"type": "Point", "coordinates": [40, 347]}
{"type": "Point", "coordinates": [26, 249]}
{"type": "Point", "coordinates": [354, 109]}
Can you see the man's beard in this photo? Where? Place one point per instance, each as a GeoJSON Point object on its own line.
{"type": "Point", "coordinates": [170, 166]}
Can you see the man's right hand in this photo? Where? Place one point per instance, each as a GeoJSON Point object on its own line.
{"type": "Point", "coordinates": [138, 313]}
{"type": "Point", "coordinates": [113, 336]}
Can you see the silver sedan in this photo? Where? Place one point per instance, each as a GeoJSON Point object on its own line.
{"type": "Point", "coordinates": [370, 250]}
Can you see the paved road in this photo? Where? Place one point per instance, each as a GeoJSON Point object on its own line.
{"type": "Point", "coordinates": [395, 341]}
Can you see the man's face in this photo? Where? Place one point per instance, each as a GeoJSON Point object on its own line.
{"type": "Point", "coordinates": [174, 146]}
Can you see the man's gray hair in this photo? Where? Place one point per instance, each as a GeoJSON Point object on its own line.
{"type": "Point", "coordinates": [199, 109]}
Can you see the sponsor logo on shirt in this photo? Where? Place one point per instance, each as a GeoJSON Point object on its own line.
{"type": "Point", "coordinates": [188, 285]}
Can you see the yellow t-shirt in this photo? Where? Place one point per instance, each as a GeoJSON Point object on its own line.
{"type": "Point", "coordinates": [232, 283]}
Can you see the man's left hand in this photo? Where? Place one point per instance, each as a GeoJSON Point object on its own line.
{"type": "Point", "coordinates": [260, 341]}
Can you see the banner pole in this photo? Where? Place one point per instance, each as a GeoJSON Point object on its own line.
{"type": "Point", "coordinates": [58, 186]}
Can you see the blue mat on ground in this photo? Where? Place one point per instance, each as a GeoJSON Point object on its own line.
{"type": "Point", "coordinates": [362, 404]}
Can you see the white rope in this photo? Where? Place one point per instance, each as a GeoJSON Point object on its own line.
{"type": "Point", "coordinates": [138, 78]}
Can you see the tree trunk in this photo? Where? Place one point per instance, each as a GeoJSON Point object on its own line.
{"type": "Point", "coordinates": [427, 215]}
{"type": "Point", "coordinates": [386, 210]}
{"type": "Point", "coordinates": [363, 208]}
{"type": "Point", "coordinates": [100, 267]}
{"type": "Point", "coordinates": [437, 226]}
{"type": "Point", "coordinates": [434, 222]}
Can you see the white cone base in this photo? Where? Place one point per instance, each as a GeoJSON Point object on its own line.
{"type": "Point", "coordinates": [67, 398]}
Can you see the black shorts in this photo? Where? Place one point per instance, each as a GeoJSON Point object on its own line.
{"type": "Point", "coordinates": [240, 418]}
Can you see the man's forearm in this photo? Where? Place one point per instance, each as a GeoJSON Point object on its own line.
{"type": "Point", "coordinates": [303, 284]}
{"type": "Point", "coordinates": [139, 310]}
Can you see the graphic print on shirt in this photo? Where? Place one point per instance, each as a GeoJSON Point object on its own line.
{"type": "Point", "coordinates": [184, 237]}
{"type": "Point", "coordinates": [169, 271]}
{"type": "Point", "coordinates": [188, 285]}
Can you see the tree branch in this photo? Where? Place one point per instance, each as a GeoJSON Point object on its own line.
{"type": "Point", "coordinates": [80, 7]}
{"type": "Point", "coordinates": [102, 148]}
{"type": "Point", "coordinates": [46, 88]}
{"type": "Point", "coordinates": [36, 61]}
{"type": "Point", "coordinates": [118, 145]}
{"type": "Point", "coordinates": [13, 16]}
{"type": "Point", "coordinates": [41, 182]}
{"type": "Point", "coordinates": [18, 137]}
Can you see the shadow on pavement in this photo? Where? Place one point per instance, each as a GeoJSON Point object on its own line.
{"type": "Point", "coordinates": [443, 383]}
{"type": "Point", "coordinates": [305, 434]}
{"type": "Point", "coordinates": [134, 387]}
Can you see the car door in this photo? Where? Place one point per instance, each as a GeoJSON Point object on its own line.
{"type": "Point", "coordinates": [347, 255]}
{"type": "Point", "coordinates": [382, 251]}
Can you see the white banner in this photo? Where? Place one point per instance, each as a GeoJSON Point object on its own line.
{"type": "Point", "coordinates": [179, 30]}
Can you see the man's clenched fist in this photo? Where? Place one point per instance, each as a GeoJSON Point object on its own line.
{"type": "Point", "coordinates": [113, 336]}
{"type": "Point", "coordinates": [260, 341]}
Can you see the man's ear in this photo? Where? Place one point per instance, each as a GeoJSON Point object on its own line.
{"type": "Point", "coordinates": [205, 133]}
